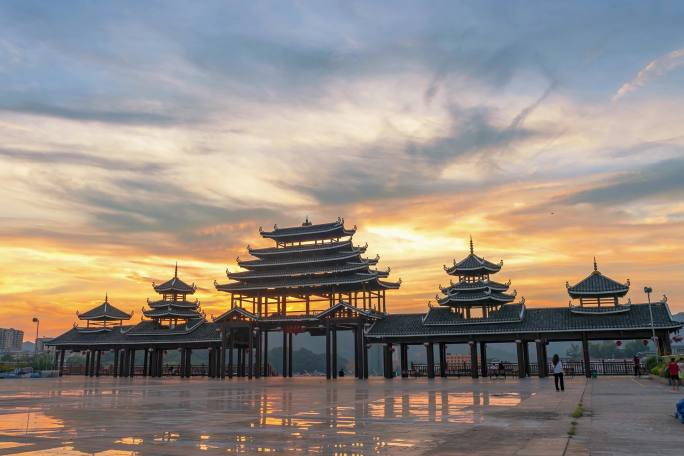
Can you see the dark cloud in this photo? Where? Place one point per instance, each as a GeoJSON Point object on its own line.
{"type": "Point", "coordinates": [90, 115]}
{"type": "Point", "coordinates": [56, 158]}
{"type": "Point", "coordinates": [381, 171]}
{"type": "Point", "coordinates": [663, 179]}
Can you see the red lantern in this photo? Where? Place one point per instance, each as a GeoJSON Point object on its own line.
{"type": "Point", "coordinates": [645, 342]}
{"type": "Point", "coordinates": [618, 343]}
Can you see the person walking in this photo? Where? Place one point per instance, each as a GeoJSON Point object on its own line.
{"type": "Point", "coordinates": [673, 370]}
{"type": "Point", "coordinates": [558, 372]}
{"type": "Point", "coordinates": [637, 366]}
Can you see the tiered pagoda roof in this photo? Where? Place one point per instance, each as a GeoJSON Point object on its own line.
{"type": "Point", "coordinates": [597, 284]}
{"type": "Point", "coordinates": [309, 259]}
{"type": "Point", "coordinates": [104, 312]}
{"type": "Point", "coordinates": [474, 287]}
{"type": "Point", "coordinates": [174, 305]}
{"type": "Point", "coordinates": [598, 294]}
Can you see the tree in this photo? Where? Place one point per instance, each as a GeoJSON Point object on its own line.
{"type": "Point", "coordinates": [574, 352]}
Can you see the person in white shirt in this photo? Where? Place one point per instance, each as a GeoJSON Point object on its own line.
{"type": "Point", "coordinates": [558, 372]}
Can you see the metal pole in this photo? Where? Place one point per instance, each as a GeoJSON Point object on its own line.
{"type": "Point", "coordinates": [648, 291]}
{"type": "Point", "coordinates": [35, 346]}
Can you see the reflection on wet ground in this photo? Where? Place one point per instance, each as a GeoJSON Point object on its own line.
{"type": "Point", "coordinates": [73, 416]}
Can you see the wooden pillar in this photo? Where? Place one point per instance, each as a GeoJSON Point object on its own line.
{"type": "Point", "coordinates": [150, 366]}
{"type": "Point", "coordinates": [334, 352]}
{"type": "Point", "coordinates": [585, 355]}
{"type": "Point", "coordinates": [526, 355]}
{"type": "Point", "coordinates": [430, 352]}
{"type": "Point", "coordinates": [183, 367]}
{"type": "Point", "coordinates": [55, 362]}
{"type": "Point", "coordinates": [60, 368]}
{"type": "Point", "coordinates": [265, 354]}
{"type": "Point", "coordinates": [188, 363]}
{"type": "Point", "coordinates": [133, 350]}
{"type": "Point", "coordinates": [145, 359]}
{"type": "Point", "coordinates": [541, 360]}
{"type": "Point", "coordinates": [240, 353]}
{"type": "Point", "coordinates": [289, 354]}
{"type": "Point", "coordinates": [442, 360]}
{"type": "Point", "coordinates": [160, 362]}
{"type": "Point", "coordinates": [474, 372]}
{"type": "Point", "coordinates": [521, 358]}
{"type": "Point", "coordinates": [364, 352]}
{"type": "Point", "coordinates": [257, 362]}
{"type": "Point", "coordinates": [387, 360]}
{"type": "Point", "coordinates": [222, 355]}
{"type": "Point", "coordinates": [97, 363]}
{"type": "Point", "coordinates": [87, 364]}
{"type": "Point", "coordinates": [483, 359]}
{"type": "Point", "coordinates": [404, 360]}
{"type": "Point", "coordinates": [284, 353]}
{"type": "Point", "coordinates": [231, 346]}
{"type": "Point", "coordinates": [115, 363]}
{"type": "Point", "coordinates": [250, 353]}
{"type": "Point", "coordinates": [328, 354]}
{"type": "Point", "coordinates": [355, 333]}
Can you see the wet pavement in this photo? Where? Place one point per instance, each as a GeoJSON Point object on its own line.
{"type": "Point", "coordinates": [142, 416]}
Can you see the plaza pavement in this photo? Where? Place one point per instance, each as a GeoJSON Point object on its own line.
{"type": "Point", "coordinates": [144, 416]}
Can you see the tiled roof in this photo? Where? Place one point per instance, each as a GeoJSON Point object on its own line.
{"type": "Point", "coordinates": [303, 259]}
{"type": "Point", "coordinates": [306, 282]}
{"type": "Point", "coordinates": [299, 271]}
{"type": "Point", "coordinates": [473, 264]}
{"type": "Point", "coordinates": [142, 333]}
{"type": "Point", "coordinates": [300, 249]}
{"type": "Point", "coordinates": [308, 231]}
{"type": "Point", "coordinates": [175, 285]}
{"type": "Point", "coordinates": [104, 311]}
{"type": "Point", "coordinates": [479, 285]}
{"type": "Point", "coordinates": [598, 284]}
{"type": "Point", "coordinates": [534, 320]}
{"type": "Point", "coordinates": [179, 304]}
{"type": "Point", "coordinates": [475, 298]}
{"type": "Point", "coordinates": [170, 311]}
{"type": "Point", "coordinates": [445, 316]}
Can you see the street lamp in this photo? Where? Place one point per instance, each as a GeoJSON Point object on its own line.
{"type": "Point", "coordinates": [35, 346]}
{"type": "Point", "coordinates": [648, 291]}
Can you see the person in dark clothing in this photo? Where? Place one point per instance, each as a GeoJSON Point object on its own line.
{"type": "Point", "coordinates": [558, 372]}
{"type": "Point", "coordinates": [637, 366]}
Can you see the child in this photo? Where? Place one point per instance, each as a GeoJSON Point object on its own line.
{"type": "Point", "coordinates": [673, 370]}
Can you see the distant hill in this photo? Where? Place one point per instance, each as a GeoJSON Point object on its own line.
{"type": "Point", "coordinates": [27, 346]}
{"type": "Point", "coordinates": [679, 317]}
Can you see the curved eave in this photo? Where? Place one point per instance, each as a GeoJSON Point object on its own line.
{"type": "Point", "coordinates": [250, 275]}
{"type": "Point", "coordinates": [171, 313]}
{"type": "Point", "coordinates": [452, 299]}
{"type": "Point", "coordinates": [104, 317]}
{"type": "Point", "coordinates": [457, 270]}
{"type": "Point", "coordinates": [459, 287]}
{"type": "Point", "coordinates": [254, 264]}
{"type": "Point", "coordinates": [299, 249]}
{"type": "Point", "coordinates": [363, 278]}
{"type": "Point", "coordinates": [310, 233]}
{"type": "Point", "coordinates": [591, 293]}
{"type": "Point", "coordinates": [179, 304]}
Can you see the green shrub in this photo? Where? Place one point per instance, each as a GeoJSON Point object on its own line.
{"type": "Point", "coordinates": [651, 362]}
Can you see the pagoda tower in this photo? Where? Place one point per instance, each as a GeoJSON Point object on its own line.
{"type": "Point", "coordinates": [474, 293]}
{"type": "Point", "coordinates": [310, 264]}
{"type": "Point", "coordinates": [103, 317]}
{"type": "Point", "coordinates": [174, 309]}
{"type": "Point", "coordinates": [597, 293]}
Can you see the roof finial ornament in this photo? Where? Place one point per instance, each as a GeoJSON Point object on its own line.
{"type": "Point", "coordinates": [175, 272]}
{"type": "Point", "coordinates": [595, 265]}
{"type": "Point", "coordinates": [106, 297]}
{"type": "Point", "coordinates": [472, 249]}
{"type": "Point", "coordinates": [307, 222]}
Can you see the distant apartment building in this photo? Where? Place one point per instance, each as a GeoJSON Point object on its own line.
{"type": "Point", "coordinates": [11, 339]}
{"type": "Point", "coordinates": [41, 347]}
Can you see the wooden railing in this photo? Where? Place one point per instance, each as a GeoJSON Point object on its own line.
{"type": "Point", "coordinates": [169, 370]}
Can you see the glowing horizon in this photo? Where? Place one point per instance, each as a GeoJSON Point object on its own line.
{"type": "Point", "coordinates": [137, 135]}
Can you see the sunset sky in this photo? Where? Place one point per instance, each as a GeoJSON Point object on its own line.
{"type": "Point", "coordinates": [137, 134]}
